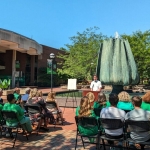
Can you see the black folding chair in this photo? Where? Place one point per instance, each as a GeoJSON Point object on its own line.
{"type": "Point", "coordinates": [2, 122]}
{"type": "Point", "coordinates": [126, 111]}
{"type": "Point", "coordinates": [138, 127]}
{"type": "Point", "coordinates": [11, 115]}
{"type": "Point", "coordinates": [111, 124]}
{"type": "Point", "coordinates": [86, 122]}
{"type": "Point", "coordinates": [53, 106]}
{"type": "Point", "coordinates": [32, 110]}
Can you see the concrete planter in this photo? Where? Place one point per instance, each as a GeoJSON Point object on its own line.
{"type": "Point", "coordinates": [6, 92]}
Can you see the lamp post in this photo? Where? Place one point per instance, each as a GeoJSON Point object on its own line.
{"type": "Point", "coordinates": [52, 56]}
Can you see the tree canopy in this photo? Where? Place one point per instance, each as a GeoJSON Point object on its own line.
{"type": "Point", "coordinates": [140, 46]}
{"type": "Point", "coordinates": [82, 54]}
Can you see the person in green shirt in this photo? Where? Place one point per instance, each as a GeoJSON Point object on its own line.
{"type": "Point", "coordinates": [146, 101]}
{"type": "Point", "coordinates": [1, 107]}
{"type": "Point", "coordinates": [17, 95]}
{"type": "Point", "coordinates": [85, 110]}
{"type": "Point", "coordinates": [101, 102]}
{"type": "Point", "coordinates": [11, 106]}
{"type": "Point", "coordinates": [124, 101]}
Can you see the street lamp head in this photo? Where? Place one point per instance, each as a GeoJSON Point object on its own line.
{"type": "Point", "coordinates": [52, 55]}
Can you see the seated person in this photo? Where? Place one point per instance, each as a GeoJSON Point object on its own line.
{"type": "Point", "coordinates": [101, 102]}
{"type": "Point", "coordinates": [37, 100]}
{"type": "Point", "coordinates": [17, 95]}
{"type": "Point", "coordinates": [124, 101]}
{"type": "Point", "coordinates": [1, 93]}
{"type": "Point", "coordinates": [85, 110]}
{"type": "Point", "coordinates": [51, 98]}
{"type": "Point", "coordinates": [146, 101]}
{"type": "Point", "coordinates": [11, 106]}
{"type": "Point", "coordinates": [138, 114]}
{"type": "Point", "coordinates": [25, 97]}
{"type": "Point", "coordinates": [91, 98]}
{"type": "Point", "coordinates": [113, 112]}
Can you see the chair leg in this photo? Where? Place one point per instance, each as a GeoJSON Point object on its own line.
{"type": "Point", "coordinates": [98, 142]}
{"type": "Point", "coordinates": [103, 144]}
{"type": "Point", "coordinates": [10, 132]}
{"type": "Point", "coordinates": [76, 141]}
{"type": "Point", "coordinates": [15, 137]}
{"type": "Point", "coordinates": [61, 117]}
{"type": "Point", "coordinates": [142, 147]}
{"type": "Point", "coordinates": [55, 119]}
{"type": "Point", "coordinates": [39, 125]}
{"type": "Point", "coordinates": [1, 131]}
{"type": "Point", "coordinates": [82, 142]}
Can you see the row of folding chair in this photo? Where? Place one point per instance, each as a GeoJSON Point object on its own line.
{"type": "Point", "coordinates": [11, 115]}
{"type": "Point", "coordinates": [50, 105]}
{"type": "Point", "coordinates": [98, 110]}
{"type": "Point", "coordinates": [111, 124]}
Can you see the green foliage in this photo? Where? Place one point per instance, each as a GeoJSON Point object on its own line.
{"type": "Point", "coordinates": [62, 48]}
{"type": "Point", "coordinates": [81, 54]}
{"type": "Point", "coordinates": [5, 84]}
{"type": "Point", "coordinates": [140, 46]}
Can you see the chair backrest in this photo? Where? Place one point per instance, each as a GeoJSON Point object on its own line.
{"type": "Point", "coordinates": [138, 126]}
{"type": "Point", "coordinates": [9, 115]}
{"type": "Point", "coordinates": [126, 111]}
{"type": "Point", "coordinates": [86, 121]}
{"type": "Point", "coordinates": [33, 109]}
{"type": "Point", "coordinates": [97, 111]}
{"type": "Point", "coordinates": [2, 120]}
{"type": "Point", "coordinates": [51, 105]}
{"type": "Point", "coordinates": [111, 124]}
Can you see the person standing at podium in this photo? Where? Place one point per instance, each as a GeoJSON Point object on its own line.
{"type": "Point", "coordinates": [96, 85]}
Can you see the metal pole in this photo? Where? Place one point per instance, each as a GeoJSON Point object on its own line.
{"type": "Point", "coordinates": [52, 75]}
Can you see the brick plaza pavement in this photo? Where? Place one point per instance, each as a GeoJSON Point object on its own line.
{"type": "Point", "coordinates": [60, 138]}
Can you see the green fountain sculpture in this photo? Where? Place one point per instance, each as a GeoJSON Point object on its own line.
{"type": "Point", "coordinates": [116, 65]}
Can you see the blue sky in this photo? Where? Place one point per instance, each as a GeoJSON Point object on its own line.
{"type": "Point", "coordinates": [52, 22]}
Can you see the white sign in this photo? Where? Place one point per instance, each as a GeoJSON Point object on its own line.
{"type": "Point", "coordinates": [72, 84]}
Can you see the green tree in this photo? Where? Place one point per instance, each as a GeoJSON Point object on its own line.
{"type": "Point", "coordinates": [62, 48]}
{"type": "Point", "coordinates": [82, 54]}
{"type": "Point", "coordinates": [140, 46]}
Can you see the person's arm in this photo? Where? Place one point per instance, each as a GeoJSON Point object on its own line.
{"type": "Point", "coordinates": [99, 86]}
{"type": "Point", "coordinates": [1, 107]}
{"type": "Point", "coordinates": [1, 100]}
{"type": "Point", "coordinates": [20, 111]}
{"type": "Point", "coordinates": [93, 114]}
{"type": "Point", "coordinates": [77, 111]}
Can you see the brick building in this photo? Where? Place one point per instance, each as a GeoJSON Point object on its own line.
{"type": "Point", "coordinates": [22, 57]}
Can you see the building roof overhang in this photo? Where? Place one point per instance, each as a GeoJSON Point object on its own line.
{"type": "Point", "coordinates": [13, 41]}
